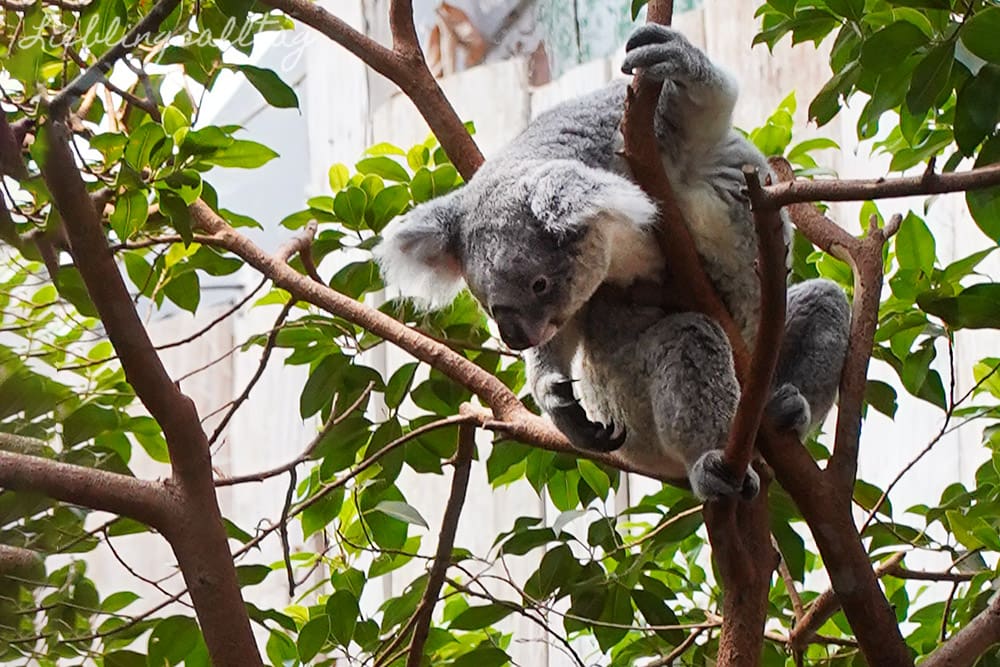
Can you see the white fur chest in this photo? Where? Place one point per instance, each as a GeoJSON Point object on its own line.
{"type": "Point", "coordinates": [635, 253]}
{"type": "Point", "coordinates": [718, 239]}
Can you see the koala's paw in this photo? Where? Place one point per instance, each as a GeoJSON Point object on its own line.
{"type": "Point", "coordinates": [661, 53]}
{"type": "Point", "coordinates": [554, 395]}
{"type": "Point", "coordinates": [789, 409]}
{"type": "Point", "coordinates": [711, 478]}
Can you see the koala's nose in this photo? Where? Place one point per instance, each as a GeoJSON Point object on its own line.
{"type": "Point", "coordinates": [512, 330]}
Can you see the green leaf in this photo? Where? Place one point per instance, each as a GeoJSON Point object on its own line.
{"type": "Point", "coordinates": [401, 511]}
{"type": "Point", "coordinates": [882, 397]}
{"type": "Point", "coordinates": [339, 178]}
{"type": "Point", "coordinates": [242, 154]}
{"type": "Point", "coordinates": [312, 637]}
{"type": "Point", "coordinates": [964, 529]}
{"type": "Point", "coordinates": [656, 612]}
{"type": "Point", "coordinates": [349, 205]}
{"type": "Point", "coordinates": [388, 203]}
{"type": "Point", "coordinates": [976, 307]}
{"type": "Point", "coordinates": [322, 384]}
{"type": "Point", "coordinates": [321, 513]}
{"type": "Point", "coordinates": [385, 148]}
{"type": "Point", "coordinates": [250, 575]}
{"type": "Point", "coordinates": [118, 601]}
{"type": "Point", "coordinates": [174, 119]}
{"type": "Point", "coordinates": [280, 649]}
{"type": "Point", "coordinates": [596, 478]}
{"type": "Point", "coordinates": [483, 656]}
{"type": "Point", "coordinates": [141, 144]}
{"type": "Point", "coordinates": [868, 496]}
{"type": "Point", "coordinates": [930, 78]}
{"type": "Point", "coordinates": [385, 167]}
{"type": "Point", "coordinates": [69, 282]}
{"type": "Point", "coordinates": [172, 205]}
{"type": "Point", "coordinates": [342, 610]}
{"type": "Point", "coordinates": [184, 290]}
{"type": "Point", "coordinates": [976, 110]}
{"type": "Point", "coordinates": [276, 92]}
{"type": "Point", "coordinates": [882, 51]}
{"type": "Point", "coordinates": [124, 659]}
{"type": "Point", "coordinates": [399, 385]}
{"type": "Point", "coordinates": [476, 618]}
{"type": "Point", "coordinates": [915, 246]}
{"type": "Point", "coordinates": [979, 34]}
{"type": "Point", "coordinates": [172, 640]}
{"type": "Point", "coordinates": [984, 203]}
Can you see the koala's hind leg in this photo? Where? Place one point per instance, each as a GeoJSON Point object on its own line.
{"type": "Point", "coordinates": [694, 394]}
{"type": "Point", "coordinates": [817, 328]}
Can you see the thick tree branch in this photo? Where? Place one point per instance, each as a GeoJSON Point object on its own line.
{"type": "Point", "coordinates": [14, 560]}
{"type": "Point", "coordinates": [138, 499]}
{"type": "Point", "coordinates": [446, 542]}
{"type": "Point", "coordinates": [404, 65]}
{"type": "Point", "coordinates": [825, 606]}
{"type": "Point", "coordinates": [930, 183]}
{"type": "Point", "coordinates": [195, 529]}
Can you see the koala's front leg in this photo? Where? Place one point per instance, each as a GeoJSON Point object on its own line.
{"type": "Point", "coordinates": [695, 108]}
{"type": "Point", "coordinates": [549, 367]}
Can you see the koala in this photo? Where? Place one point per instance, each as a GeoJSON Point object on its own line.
{"type": "Point", "coordinates": [553, 237]}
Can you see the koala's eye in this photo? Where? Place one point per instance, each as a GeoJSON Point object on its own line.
{"type": "Point", "coordinates": [541, 285]}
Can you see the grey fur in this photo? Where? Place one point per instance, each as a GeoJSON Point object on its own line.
{"type": "Point", "coordinates": [550, 233]}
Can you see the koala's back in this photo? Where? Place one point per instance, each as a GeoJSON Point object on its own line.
{"type": "Point", "coordinates": [585, 129]}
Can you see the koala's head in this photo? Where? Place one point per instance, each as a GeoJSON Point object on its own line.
{"type": "Point", "coordinates": [532, 246]}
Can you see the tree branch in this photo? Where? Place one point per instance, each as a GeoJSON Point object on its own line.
{"type": "Point", "coordinates": [756, 386]}
{"type": "Point", "coordinates": [930, 183]}
{"type": "Point", "coordinates": [404, 65]}
{"type": "Point", "coordinates": [826, 605]}
{"type": "Point", "coordinates": [446, 542]}
{"type": "Point", "coordinates": [138, 499]}
{"type": "Point", "coordinates": [149, 23]}
{"type": "Point", "coordinates": [867, 264]}
{"type": "Point", "coordinates": [195, 529]}
{"type": "Point", "coordinates": [968, 644]}
{"type": "Point", "coordinates": [15, 559]}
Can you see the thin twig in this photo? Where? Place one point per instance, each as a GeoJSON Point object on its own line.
{"type": "Point", "coordinates": [306, 452]}
{"type": "Point", "coordinates": [265, 357]}
{"type": "Point", "coordinates": [147, 25]}
{"type": "Point", "coordinates": [681, 649]}
{"type": "Point", "coordinates": [446, 542]}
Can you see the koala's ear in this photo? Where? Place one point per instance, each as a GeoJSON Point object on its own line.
{"type": "Point", "coordinates": [566, 194]}
{"type": "Point", "coordinates": [418, 253]}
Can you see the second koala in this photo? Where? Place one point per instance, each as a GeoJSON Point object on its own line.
{"type": "Point", "coordinates": [550, 233]}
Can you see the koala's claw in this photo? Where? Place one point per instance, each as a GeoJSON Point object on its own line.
{"type": "Point", "coordinates": [607, 437]}
{"type": "Point", "coordinates": [583, 433]}
{"type": "Point", "coordinates": [789, 409]}
{"type": "Point", "coordinates": [711, 478]}
{"type": "Point", "coordinates": [652, 33]}
{"type": "Point", "coordinates": [661, 53]}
